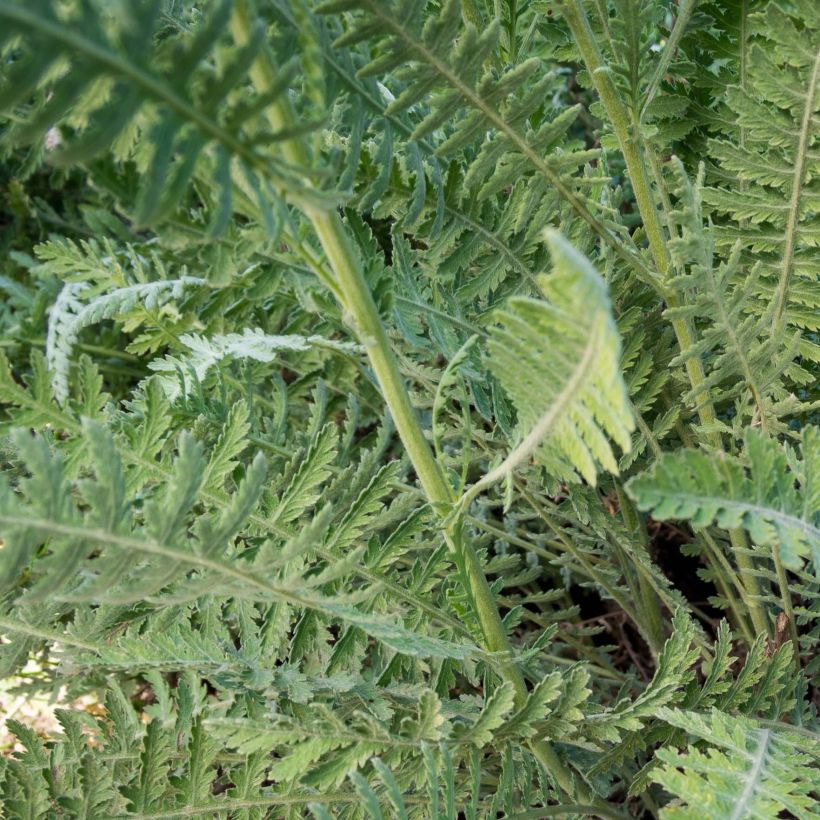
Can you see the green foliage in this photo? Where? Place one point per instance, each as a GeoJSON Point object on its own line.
{"type": "Point", "coordinates": [355, 357]}
{"type": "Point", "coordinates": [745, 360]}
{"type": "Point", "coordinates": [746, 769]}
{"type": "Point", "coordinates": [98, 554]}
{"type": "Point", "coordinates": [772, 150]}
{"type": "Point", "coordinates": [558, 362]}
{"type": "Point", "coordinates": [770, 493]}
{"type": "Point", "coordinates": [112, 79]}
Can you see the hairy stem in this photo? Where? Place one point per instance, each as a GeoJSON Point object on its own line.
{"type": "Point", "coordinates": [786, 600]}
{"type": "Point", "coordinates": [799, 179]}
{"type": "Point", "coordinates": [627, 133]}
{"type": "Point", "coordinates": [748, 576]}
{"type": "Point", "coordinates": [648, 601]}
{"type": "Point", "coordinates": [358, 303]}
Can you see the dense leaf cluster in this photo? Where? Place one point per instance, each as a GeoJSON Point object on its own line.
{"type": "Point", "coordinates": [409, 408]}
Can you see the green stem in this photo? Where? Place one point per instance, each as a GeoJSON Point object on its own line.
{"type": "Point", "coordinates": [798, 182]}
{"type": "Point", "coordinates": [357, 301]}
{"type": "Point", "coordinates": [649, 602]}
{"type": "Point", "coordinates": [748, 576]}
{"type": "Point", "coordinates": [786, 599]}
{"type": "Point", "coordinates": [359, 304]}
{"type": "Point", "coordinates": [601, 76]}
{"type": "Point", "coordinates": [726, 579]}
{"type": "Point", "coordinates": [628, 136]}
{"type": "Point", "coordinates": [684, 14]}
{"type": "Point", "coordinates": [626, 132]}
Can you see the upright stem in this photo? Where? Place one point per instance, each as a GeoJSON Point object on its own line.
{"type": "Point", "coordinates": [748, 576]}
{"type": "Point", "coordinates": [725, 580]}
{"type": "Point", "coordinates": [627, 132]}
{"type": "Point", "coordinates": [798, 181]}
{"type": "Point", "coordinates": [649, 601]}
{"type": "Point", "coordinates": [786, 599]}
{"type": "Point", "coordinates": [357, 302]}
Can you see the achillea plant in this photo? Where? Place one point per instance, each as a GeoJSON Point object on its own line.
{"type": "Point", "coordinates": [409, 409]}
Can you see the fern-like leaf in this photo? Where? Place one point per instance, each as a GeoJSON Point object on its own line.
{"type": "Point", "coordinates": [206, 352]}
{"type": "Point", "coordinates": [70, 314]}
{"type": "Point", "coordinates": [559, 361]}
{"type": "Point", "coordinates": [771, 493]}
{"type": "Point", "coordinates": [97, 552]}
{"type": "Point", "coordinates": [746, 770]}
{"type": "Point", "coordinates": [169, 90]}
{"type": "Point", "coordinates": [773, 151]}
{"type": "Point", "coordinates": [736, 341]}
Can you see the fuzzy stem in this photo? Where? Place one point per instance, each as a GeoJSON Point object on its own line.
{"type": "Point", "coordinates": [726, 579]}
{"type": "Point", "coordinates": [357, 301]}
{"type": "Point", "coordinates": [748, 577]}
{"type": "Point", "coordinates": [629, 142]}
{"type": "Point", "coordinates": [649, 602]}
{"type": "Point", "coordinates": [786, 599]}
{"type": "Point", "coordinates": [627, 134]}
